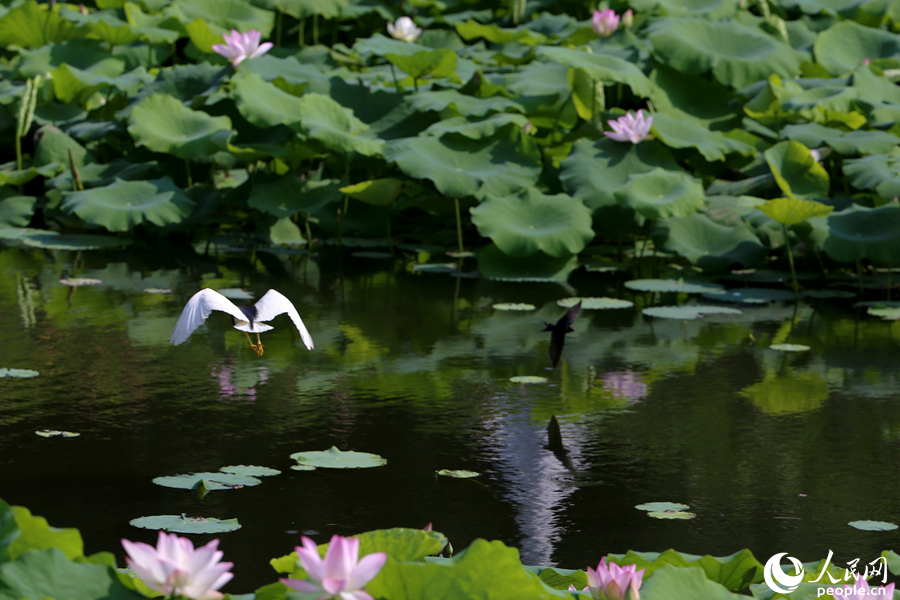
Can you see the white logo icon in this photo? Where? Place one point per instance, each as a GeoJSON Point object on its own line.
{"type": "Point", "coordinates": [775, 577]}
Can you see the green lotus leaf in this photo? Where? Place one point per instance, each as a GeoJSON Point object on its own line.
{"type": "Point", "coordinates": [595, 170]}
{"type": "Point", "coordinates": [457, 474]}
{"type": "Point", "coordinates": [380, 45]}
{"type": "Point", "coordinates": [734, 572]}
{"type": "Point", "coordinates": [103, 26]}
{"type": "Point", "coordinates": [284, 232]}
{"type": "Point", "coordinates": [47, 573]}
{"type": "Point", "coordinates": [437, 63]}
{"type": "Point", "coordinates": [225, 14]}
{"type": "Point", "coordinates": [336, 459]}
{"type": "Point", "coordinates": [688, 313]}
{"type": "Point", "coordinates": [85, 55]}
{"type": "Point", "coordinates": [401, 543]}
{"type": "Point", "coordinates": [601, 67]}
{"type": "Point", "coordinates": [469, 106]}
{"type": "Point", "coordinates": [737, 54]}
{"type": "Point", "coordinates": [814, 101]}
{"type": "Point", "coordinates": [788, 394]}
{"type": "Point", "coordinates": [287, 195]}
{"type": "Point", "coordinates": [661, 506]}
{"type": "Point", "coordinates": [793, 211]}
{"type": "Point", "coordinates": [710, 9]}
{"type": "Point", "coordinates": [21, 177]}
{"type": "Point", "coordinates": [32, 25]}
{"type": "Point", "coordinates": [595, 303]}
{"type": "Point", "coordinates": [680, 95]}
{"type": "Point", "coordinates": [51, 240]}
{"type": "Point", "coordinates": [16, 211]}
{"type": "Point", "coordinates": [377, 192]}
{"type": "Point", "coordinates": [459, 167]}
{"type": "Point", "coordinates": [891, 313]}
{"type": "Point", "coordinates": [75, 86]}
{"type": "Point", "coordinates": [163, 124]}
{"type": "Point", "coordinates": [123, 204]}
{"type": "Point", "coordinates": [874, 87]}
{"type": "Point", "coordinates": [530, 221]}
{"type": "Point", "coordinates": [872, 525]}
{"type": "Point", "coordinates": [211, 481]}
{"type": "Point", "coordinates": [471, 30]}
{"type": "Point", "coordinates": [54, 147]}
{"type": "Point", "coordinates": [707, 244]}
{"type": "Point", "coordinates": [789, 347]}
{"type": "Point", "coordinates": [796, 171]}
{"type": "Point", "coordinates": [514, 306]}
{"type": "Point", "coordinates": [752, 296]}
{"type": "Point", "coordinates": [494, 264]}
{"type": "Point", "coordinates": [306, 8]}
{"type": "Point", "coordinates": [335, 126]}
{"type": "Point", "coordinates": [660, 193]}
{"type": "Point", "coordinates": [670, 581]}
{"type": "Point", "coordinates": [858, 141]}
{"type": "Point", "coordinates": [677, 132]}
{"type": "Point", "coordinates": [879, 173]}
{"type": "Point", "coordinates": [678, 286]}
{"type": "Point", "coordinates": [264, 104]}
{"type": "Point", "coordinates": [475, 129]}
{"type": "Point", "coordinates": [844, 45]}
{"type": "Point", "coordinates": [436, 268]}
{"type": "Point", "coordinates": [860, 233]}
{"type": "Point", "coordinates": [24, 373]}
{"type": "Point", "coordinates": [185, 524]}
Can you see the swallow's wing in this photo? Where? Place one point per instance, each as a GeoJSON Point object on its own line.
{"type": "Point", "coordinates": [570, 316]}
{"type": "Point", "coordinates": [198, 308]}
{"type": "Point", "coordinates": [273, 304]}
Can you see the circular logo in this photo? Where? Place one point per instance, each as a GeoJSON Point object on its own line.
{"type": "Point", "coordinates": [775, 577]}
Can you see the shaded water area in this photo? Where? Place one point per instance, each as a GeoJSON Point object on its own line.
{"type": "Point", "coordinates": [775, 452]}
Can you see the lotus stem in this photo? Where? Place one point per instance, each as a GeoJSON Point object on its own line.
{"type": "Point", "coordinates": [278, 19]}
{"type": "Point", "coordinates": [458, 226]}
{"type": "Point", "coordinates": [890, 273]}
{"type": "Point", "coordinates": [77, 184]}
{"type": "Point", "coordinates": [394, 75]}
{"type": "Point", "coordinates": [559, 115]}
{"type": "Point", "coordinates": [787, 242]}
{"type": "Point", "coordinates": [308, 234]}
{"type": "Point", "coordinates": [389, 234]}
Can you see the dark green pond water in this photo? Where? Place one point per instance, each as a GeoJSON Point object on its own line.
{"type": "Point", "coordinates": [773, 451]}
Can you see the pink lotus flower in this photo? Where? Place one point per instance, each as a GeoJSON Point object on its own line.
{"type": "Point", "coordinates": [605, 22]}
{"type": "Point", "coordinates": [613, 582]}
{"type": "Point", "coordinates": [628, 18]}
{"type": "Point", "coordinates": [341, 575]}
{"type": "Point", "coordinates": [240, 46]}
{"type": "Point", "coordinates": [630, 128]}
{"type": "Point", "coordinates": [175, 568]}
{"type": "Point", "coordinates": [860, 589]}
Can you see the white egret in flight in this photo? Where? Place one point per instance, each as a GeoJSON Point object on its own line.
{"type": "Point", "coordinates": [248, 319]}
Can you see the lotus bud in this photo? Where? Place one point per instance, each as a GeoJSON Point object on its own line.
{"type": "Point", "coordinates": [404, 29]}
{"type": "Point", "coordinates": [628, 19]}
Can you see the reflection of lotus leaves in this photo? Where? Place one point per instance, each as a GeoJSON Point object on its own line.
{"type": "Point", "coordinates": [688, 312]}
{"type": "Point", "coordinates": [788, 394]}
{"type": "Point", "coordinates": [184, 524]}
{"type": "Point", "coordinates": [336, 459]}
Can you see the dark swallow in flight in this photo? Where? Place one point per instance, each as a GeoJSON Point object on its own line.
{"type": "Point", "coordinates": [559, 331]}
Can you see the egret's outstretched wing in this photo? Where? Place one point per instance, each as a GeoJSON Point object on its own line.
{"type": "Point", "coordinates": [273, 304]}
{"type": "Point", "coordinates": [198, 308]}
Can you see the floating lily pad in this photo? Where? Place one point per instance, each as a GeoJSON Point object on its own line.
{"type": "Point", "coordinates": [54, 433]}
{"type": "Point", "coordinates": [250, 470]}
{"type": "Point", "coordinates": [303, 467]}
{"type": "Point", "coordinates": [513, 306]}
{"type": "Point", "coordinates": [673, 285]}
{"type": "Point", "coordinates": [789, 347]}
{"type": "Point", "coordinates": [872, 525]}
{"type": "Point", "coordinates": [211, 481]}
{"type": "Point", "coordinates": [671, 514]}
{"type": "Point", "coordinates": [888, 313]}
{"type": "Point", "coordinates": [595, 303]}
{"type": "Point", "coordinates": [661, 506]}
{"type": "Point", "coordinates": [459, 474]}
{"type": "Point", "coordinates": [79, 281]}
{"type": "Point", "coordinates": [185, 524]}
{"type": "Point", "coordinates": [688, 312]}
{"type": "Point", "coordinates": [236, 294]}
{"type": "Point", "coordinates": [336, 459]}
{"type": "Point", "coordinates": [23, 373]}
{"type": "Point", "coordinates": [157, 291]}
{"type": "Point", "coordinates": [528, 379]}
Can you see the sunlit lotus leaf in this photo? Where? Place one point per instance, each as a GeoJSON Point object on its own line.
{"type": "Point", "coordinates": [16, 211]}
{"type": "Point", "coordinates": [335, 126]}
{"type": "Point", "coordinates": [661, 506]}
{"type": "Point", "coordinates": [264, 104]}
{"type": "Point", "coordinates": [671, 514]}
{"type": "Point", "coordinates": [32, 25]}
{"type": "Point", "coordinates": [846, 44]}
{"type": "Point", "coordinates": [875, 88]}
{"type": "Point", "coordinates": [80, 281]}
{"type": "Point", "coordinates": [464, 104]}
{"type": "Point", "coordinates": [284, 232]}
{"type": "Point", "coordinates": [858, 141]}
{"type": "Point", "coordinates": [457, 474]}
{"type": "Point", "coordinates": [50, 240]}
{"type": "Point", "coordinates": [872, 525]}
{"type": "Point", "coordinates": [336, 459]}
{"type": "Point", "coordinates": [289, 194]}
{"type": "Point", "coordinates": [891, 313]}
{"type": "Point", "coordinates": [737, 54]}
{"type": "Point", "coordinates": [863, 233]}
{"type": "Point", "coordinates": [436, 63]}
{"type": "Point", "coordinates": [879, 173]}
{"type": "Point", "coordinates": [494, 264]}
{"type": "Point", "coordinates": [684, 133]}
{"type": "Point", "coordinates": [515, 306]}
{"type": "Point", "coordinates": [251, 470]}
{"type": "Point", "coordinates": [530, 221]}
{"type": "Point", "coordinates": [659, 194]}
{"type": "Point", "coordinates": [789, 347]}
{"type": "Point", "coordinates": [707, 244]}
{"type": "Point", "coordinates": [500, 165]}
{"type": "Point", "coordinates": [163, 124]}
{"type": "Point", "coordinates": [528, 379]}
{"type": "Point", "coordinates": [123, 204]}
{"type": "Point", "coordinates": [595, 303]}
{"type": "Point", "coordinates": [788, 394]}
{"type": "Point", "coordinates": [21, 177]}
{"type": "Point", "coordinates": [792, 211]}
{"type": "Point", "coordinates": [212, 481]}
{"type": "Point", "coordinates": [796, 171]}
{"type": "Point", "coordinates": [105, 26]}
{"type": "Point", "coordinates": [226, 14]}
{"type": "Point", "coordinates": [401, 543]}
{"type": "Point", "coordinates": [56, 433]}
{"type": "Point", "coordinates": [678, 286]}
{"type": "Point", "coordinates": [475, 129]}
{"type": "Point", "coordinates": [18, 373]}
{"type": "Point", "coordinates": [710, 9]}
{"type": "Point", "coordinates": [601, 67]}
{"type": "Point", "coordinates": [688, 313]}
{"type": "Point", "coordinates": [471, 30]}
{"type": "Point", "coordinates": [185, 524]}
{"type": "Point", "coordinates": [377, 192]}
{"type": "Point", "coordinates": [813, 102]}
